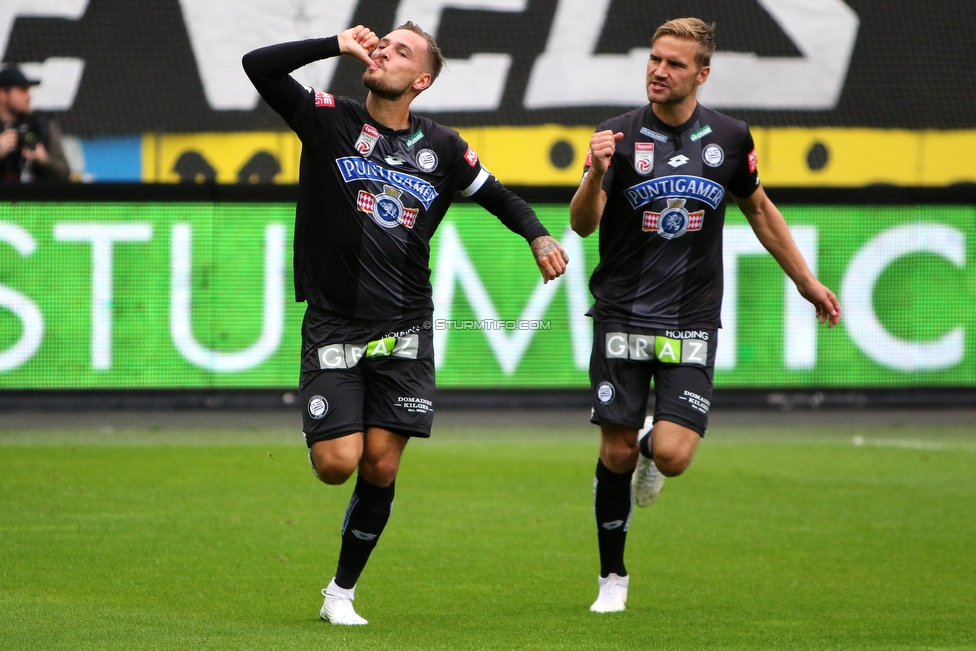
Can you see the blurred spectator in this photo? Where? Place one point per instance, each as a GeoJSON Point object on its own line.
{"type": "Point", "coordinates": [30, 143]}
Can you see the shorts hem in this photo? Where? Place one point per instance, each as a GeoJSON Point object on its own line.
{"type": "Point", "coordinates": [396, 428]}
{"type": "Point", "coordinates": [313, 438]}
{"type": "Point", "coordinates": [597, 421]}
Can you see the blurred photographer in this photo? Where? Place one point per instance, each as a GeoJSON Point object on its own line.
{"type": "Point", "coordinates": [30, 143]}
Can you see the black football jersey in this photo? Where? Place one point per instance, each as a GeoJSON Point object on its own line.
{"type": "Point", "coordinates": [370, 198]}
{"type": "Point", "coordinates": [370, 201]}
{"type": "Point", "coordinates": [661, 230]}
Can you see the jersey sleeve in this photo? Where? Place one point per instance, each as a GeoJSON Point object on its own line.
{"type": "Point", "coordinates": [469, 171]}
{"type": "Point", "coordinates": [269, 70]}
{"type": "Point", "coordinates": [607, 184]}
{"type": "Point", "coordinates": [745, 179]}
{"type": "Point", "coordinates": [475, 181]}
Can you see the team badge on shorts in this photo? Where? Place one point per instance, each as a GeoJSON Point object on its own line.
{"type": "Point", "coordinates": [605, 393]}
{"type": "Point", "coordinates": [674, 221]}
{"type": "Point", "coordinates": [318, 407]}
{"type": "Point", "coordinates": [644, 157]}
{"type": "Point", "coordinates": [367, 140]}
{"type": "Point", "coordinates": [386, 208]}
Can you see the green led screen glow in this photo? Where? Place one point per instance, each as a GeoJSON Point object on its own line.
{"type": "Point", "coordinates": [199, 295]}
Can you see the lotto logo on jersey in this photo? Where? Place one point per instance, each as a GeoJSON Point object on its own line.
{"type": "Point", "coordinates": [367, 140]}
{"type": "Point", "coordinates": [753, 161]}
{"type": "Point", "coordinates": [674, 221]}
{"type": "Point", "coordinates": [324, 100]}
{"type": "Point", "coordinates": [471, 156]}
{"type": "Point", "coordinates": [644, 157]}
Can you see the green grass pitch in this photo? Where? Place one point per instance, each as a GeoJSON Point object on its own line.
{"type": "Point", "coordinates": [776, 538]}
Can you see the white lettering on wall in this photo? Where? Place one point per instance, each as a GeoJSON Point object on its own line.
{"type": "Point", "coordinates": [59, 76]}
{"type": "Point", "coordinates": [800, 317]}
{"type": "Point", "coordinates": [222, 32]}
{"type": "Point", "coordinates": [102, 237]}
{"type": "Point", "coordinates": [857, 297]}
{"type": "Point", "coordinates": [569, 73]}
{"type": "Point", "coordinates": [273, 316]}
{"type": "Point", "coordinates": [32, 322]}
{"type": "Point", "coordinates": [473, 84]}
{"type": "Point", "coordinates": [453, 264]}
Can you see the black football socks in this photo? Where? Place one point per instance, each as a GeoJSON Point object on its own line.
{"type": "Point", "coordinates": [613, 503]}
{"type": "Point", "coordinates": [366, 517]}
{"type": "Point", "coordinates": [645, 447]}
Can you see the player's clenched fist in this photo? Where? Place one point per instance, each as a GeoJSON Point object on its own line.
{"type": "Point", "coordinates": [550, 257]}
{"type": "Point", "coordinates": [602, 146]}
{"type": "Point", "coordinates": [358, 42]}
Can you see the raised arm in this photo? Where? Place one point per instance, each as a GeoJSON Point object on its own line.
{"type": "Point", "coordinates": [586, 208]}
{"type": "Point", "coordinates": [770, 227]}
{"type": "Point", "coordinates": [269, 68]}
{"type": "Point", "coordinates": [519, 218]}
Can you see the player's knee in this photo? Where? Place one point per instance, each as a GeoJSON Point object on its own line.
{"type": "Point", "coordinates": [332, 475]}
{"type": "Point", "coordinates": [673, 463]}
{"type": "Point", "coordinates": [332, 470]}
{"type": "Point", "coordinates": [620, 456]}
{"type": "Point", "coordinates": [380, 471]}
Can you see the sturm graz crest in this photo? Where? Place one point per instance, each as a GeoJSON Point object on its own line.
{"type": "Point", "coordinates": [674, 221]}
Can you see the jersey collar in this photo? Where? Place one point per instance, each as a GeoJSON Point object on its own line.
{"type": "Point", "coordinates": [660, 125]}
{"type": "Point", "coordinates": [387, 131]}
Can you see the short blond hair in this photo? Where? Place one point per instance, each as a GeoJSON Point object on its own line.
{"type": "Point", "coordinates": [694, 28]}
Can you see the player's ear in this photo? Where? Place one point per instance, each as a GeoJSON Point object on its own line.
{"type": "Point", "coordinates": [703, 74]}
{"type": "Point", "coordinates": [423, 82]}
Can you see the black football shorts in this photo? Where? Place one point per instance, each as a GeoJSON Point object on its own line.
{"type": "Point", "coordinates": [361, 373]}
{"type": "Point", "coordinates": [626, 358]}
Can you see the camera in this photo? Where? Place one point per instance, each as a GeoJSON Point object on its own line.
{"type": "Point", "coordinates": [27, 138]}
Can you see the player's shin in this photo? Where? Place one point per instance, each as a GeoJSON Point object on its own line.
{"type": "Point", "coordinates": [612, 505]}
{"type": "Point", "coordinates": [366, 517]}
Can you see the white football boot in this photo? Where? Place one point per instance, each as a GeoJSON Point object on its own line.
{"type": "Point", "coordinates": [338, 606]}
{"type": "Point", "coordinates": [648, 480]}
{"type": "Point", "coordinates": [613, 594]}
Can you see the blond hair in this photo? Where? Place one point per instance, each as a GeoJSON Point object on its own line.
{"type": "Point", "coordinates": [694, 28]}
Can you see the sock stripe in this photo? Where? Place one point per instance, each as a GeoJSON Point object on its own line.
{"type": "Point", "coordinates": [353, 501]}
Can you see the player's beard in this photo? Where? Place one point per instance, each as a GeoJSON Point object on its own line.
{"type": "Point", "coordinates": [676, 95]}
{"type": "Point", "coordinates": [384, 90]}
{"type": "Point", "coordinates": [673, 98]}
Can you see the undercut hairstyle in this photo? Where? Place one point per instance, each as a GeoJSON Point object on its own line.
{"type": "Point", "coordinates": [694, 28]}
{"type": "Point", "coordinates": [435, 59]}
